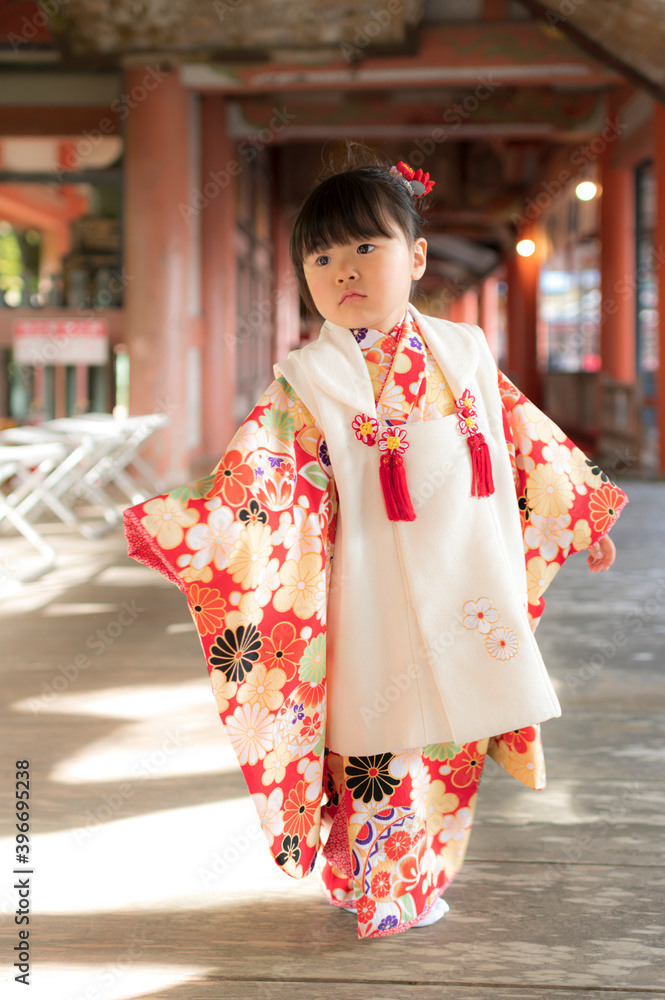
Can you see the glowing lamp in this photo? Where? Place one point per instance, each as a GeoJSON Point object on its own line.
{"type": "Point", "coordinates": [586, 190]}
{"type": "Point", "coordinates": [525, 248]}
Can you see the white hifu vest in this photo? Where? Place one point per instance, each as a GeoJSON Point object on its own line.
{"type": "Point", "coordinates": [428, 637]}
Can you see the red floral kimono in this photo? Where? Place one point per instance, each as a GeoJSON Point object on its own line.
{"type": "Point", "coordinates": [251, 546]}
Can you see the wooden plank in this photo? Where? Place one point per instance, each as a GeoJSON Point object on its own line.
{"type": "Point", "coordinates": [340, 990]}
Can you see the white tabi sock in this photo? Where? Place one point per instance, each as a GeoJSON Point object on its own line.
{"type": "Point", "coordinates": [436, 912]}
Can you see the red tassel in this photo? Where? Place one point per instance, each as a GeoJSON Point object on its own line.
{"type": "Point", "coordinates": [395, 488]}
{"type": "Point", "coordinates": [483, 481]}
{"type": "Point", "coordinates": [401, 489]}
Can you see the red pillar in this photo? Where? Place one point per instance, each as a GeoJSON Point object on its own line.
{"type": "Point", "coordinates": [659, 243]}
{"type": "Point", "coordinates": [488, 308]}
{"type": "Point", "coordinates": [470, 306]}
{"type": "Point", "coordinates": [287, 301]}
{"type": "Point", "coordinates": [464, 309]}
{"type": "Point", "coordinates": [617, 268]}
{"type": "Point", "coordinates": [158, 234]}
{"type": "Point", "coordinates": [219, 169]}
{"type": "Point", "coordinates": [522, 320]}
{"type": "Point", "coordinates": [456, 310]}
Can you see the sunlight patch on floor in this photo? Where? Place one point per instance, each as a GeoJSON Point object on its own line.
{"type": "Point", "coordinates": [131, 576]}
{"type": "Point", "coordinates": [116, 980]}
{"type": "Point", "coordinates": [197, 857]}
{"type": "Point", "coordinates": [70, 571]}
{"type": "Point", "coordinates": [62, 610]}
{"type": "Point", "coordinates": [169, 730]}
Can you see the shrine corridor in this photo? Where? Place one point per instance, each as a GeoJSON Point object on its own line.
{"type": "Point", "coordinates": [148, 876]}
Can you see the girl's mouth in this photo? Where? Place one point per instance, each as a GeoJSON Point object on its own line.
{"type": "Point", "coordinates": [352, 295]}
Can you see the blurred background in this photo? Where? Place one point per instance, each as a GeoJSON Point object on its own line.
{"type": "Point", "coordinates": [153, 157]}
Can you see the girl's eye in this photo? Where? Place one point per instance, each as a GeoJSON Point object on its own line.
{"type": "Point", "coordinates": [327, 257]}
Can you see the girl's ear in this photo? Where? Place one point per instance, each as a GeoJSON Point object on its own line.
{"type": "Point", "coordinates": [419, 257]}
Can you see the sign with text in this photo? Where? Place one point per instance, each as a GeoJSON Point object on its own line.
{"type": "Point", "coordinates": [61, 341]}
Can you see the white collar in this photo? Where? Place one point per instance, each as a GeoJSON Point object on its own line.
{"type": "Point", "coordinates": [336, 363]}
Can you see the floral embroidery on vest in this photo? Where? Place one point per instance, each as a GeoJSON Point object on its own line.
{"type": "Point", "coordinates": [500, 642]}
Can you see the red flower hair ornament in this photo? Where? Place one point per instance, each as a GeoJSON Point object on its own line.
{"type": "Point", "coordinates": [416, 181]}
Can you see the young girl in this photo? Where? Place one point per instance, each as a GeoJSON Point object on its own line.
{"type": "Point", "coordinates": [392, 505]}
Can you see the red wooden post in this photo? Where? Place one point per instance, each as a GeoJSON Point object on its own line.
{"type": "Point", "coordinates": [659, 242]}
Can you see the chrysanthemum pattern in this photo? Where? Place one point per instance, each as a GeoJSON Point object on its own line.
{"type": "Point", "coordinates": [391, 856]}
{"type": "Point", "coordinates": [566, 503]}
{"type": "Point", "coordinates": [266, 628]}
{"type": "Point", "coordinates": [502, 643]}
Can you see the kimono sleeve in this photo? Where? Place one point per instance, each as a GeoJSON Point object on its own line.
{"type": "Point", "coordinates": [251, 547]}
{"type": "Point", "coordinates": [566, 502]}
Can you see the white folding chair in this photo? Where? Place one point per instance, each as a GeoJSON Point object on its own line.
{"type": "Point", "coordinates": [125, 468]}
{"type": "Point", "coordinates": [30, 465]}
{"type": "Point", "coordinates": [98, 450]}
{"type": "Point", "coordinates": [120, 465]}
{"type": "Point", "coordinates": [83, 450]}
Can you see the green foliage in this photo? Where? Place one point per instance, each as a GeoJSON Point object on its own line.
{"type": "Point", "coordinates": [11, 260]}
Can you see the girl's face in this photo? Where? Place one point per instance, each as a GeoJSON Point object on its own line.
{"type": "Point", "coordinates": [379, 271]}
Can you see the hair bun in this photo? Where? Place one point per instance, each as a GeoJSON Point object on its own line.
{"type": "Point", "coordinates": [416, 181]}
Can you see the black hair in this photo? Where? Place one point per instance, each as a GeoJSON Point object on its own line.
{"type": "Point", "coordinates": [356, 199]}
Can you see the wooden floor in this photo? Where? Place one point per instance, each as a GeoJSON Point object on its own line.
{"type": "Point", "coordinates": [150, 881]}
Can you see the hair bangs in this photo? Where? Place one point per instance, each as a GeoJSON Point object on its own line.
{"type": "Point", "coordinates": [361, 201]}
{"type": "Point", "coordinates": [344, 212]}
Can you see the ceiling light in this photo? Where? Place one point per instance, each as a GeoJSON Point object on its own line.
{"type": "Point", "coordinates": [525, 248]}
{"type": "Point", "coordinates": [586, 190]}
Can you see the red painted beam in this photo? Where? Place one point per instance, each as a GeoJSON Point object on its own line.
{"type": "Point", "coordinates": [463, 55]}
{"type": "Point", "coordinates": [69, 121]}
{"type": "Point", "coordinates": [537, 105]}
{"type": "Point", "coordinates": [22, 23]}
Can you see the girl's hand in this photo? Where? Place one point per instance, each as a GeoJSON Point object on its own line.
{"type": "Point", "coordinates": [601, 554]}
